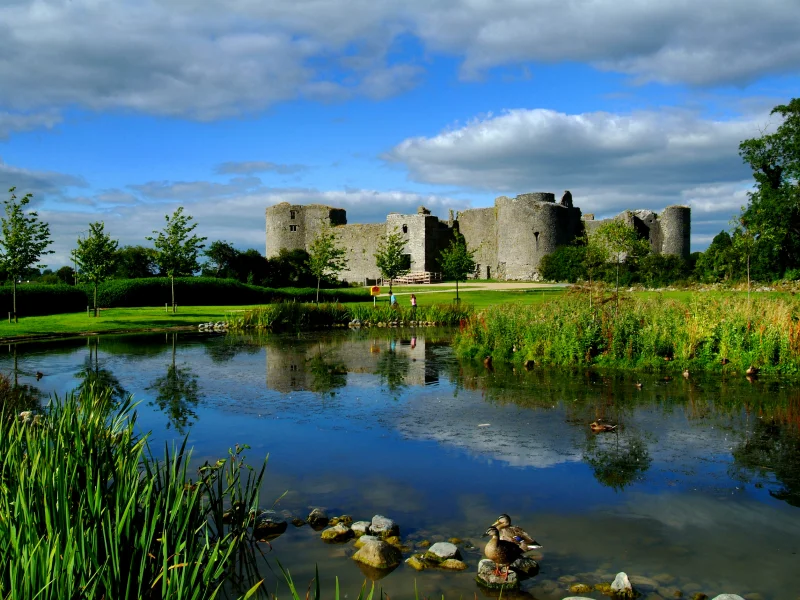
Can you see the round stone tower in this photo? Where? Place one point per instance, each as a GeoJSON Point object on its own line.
{"type": "Point", "coordinates": [676, 228]}
{"type": "Point", "coordinates": [285, 228]}
{"type": "Point", "coordinates": [529, 227]}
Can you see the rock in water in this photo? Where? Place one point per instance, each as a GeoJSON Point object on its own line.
{"type": "Point", "coordinates": [442, 551]}
{"type": "Point", "coordinates": [360, 527]}
{"type": "Point", "coordinates": [621, 586]}
{"type": "Point", "coordinates": [579, 588]}
{"type": "Point", "coordinates": [339, 533]}
{"type": "Point", "coordinates": [298, 522]}
{"type": "Point", "coordinates": [318, 518]}
{"type": "Point", "coordinates": [525, 565]}
{"type": "Point", "coordinates": [379, 555]}
{"type": "Point", "coordinates": [487, 578]}
{"type": "Point", "coordinates": [728, 597]}
{"type": "Point", "coordinates": [416, 562]}
{"type": "Point", "coordinates": [365, 539]}
{"type": "Point", "coordinates": [268, 525]}
{"type": "Point", "coordinates": [454, 564]}
{"type": "Point", "coordinates": [383, 527]}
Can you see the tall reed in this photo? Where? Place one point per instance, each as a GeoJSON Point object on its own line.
{"type": "Point", "coordinates": [87, 512]}
{"type": "Point", "coordinates": [652, 334]}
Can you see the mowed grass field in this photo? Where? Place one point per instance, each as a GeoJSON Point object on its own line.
{"type": "Point", "coordinates": [154, 318]}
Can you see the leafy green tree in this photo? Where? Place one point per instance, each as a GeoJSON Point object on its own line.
{"type": "Point", "coordinates": [662, 269]}
{"type": "Point", "coordinates": [594, 260]}
{"type": "Point", "coordinates": [95, 257]}
{"type": "Point", "coordinates": [390, 258]}
{"type": "Point", "coordinates": [457, 261]}
{"type": "Point", "coordinates": [66, 275]}
{"type": "Point", "coordinates": [773, 211]}
{"type": "Point", "coordinates": [222, 259]}
{"type": "Point", "coordinates": [565, 264]}
{"type": "Point", "coordinates": [325, 257]}
{"type": "Point", "coordinates": [718, 262]}
{"type": "Point", "coordinates": [176, 248]}
{"type": "Point", "coordinates": [622, 243]}
{"type": "Point", "coordinates": [135, 262]}
{"type": "Point", "coordinates": [25, 239]}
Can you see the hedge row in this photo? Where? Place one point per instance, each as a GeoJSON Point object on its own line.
{"type": "Point", "coordinates": [35, 299]}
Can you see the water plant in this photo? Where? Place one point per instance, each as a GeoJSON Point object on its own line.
{"type": "Point", "coordinates": [704, 333]}
{"type": "Point", "coordinates": [87, 511]}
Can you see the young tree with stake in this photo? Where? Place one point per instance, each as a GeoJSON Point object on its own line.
{"type": "Point", "coordinates": [457, 260]}
{"type": "Point", "coordinates": [325, 257]}
{"type": "Point", "coordinates": [176, 249]}
{"type": "Point", "coordinates": [390, 258]}
{"type": "Point", "coordinates": [96, 257]}
{"type": "Point", "coordinates": [25, 239]}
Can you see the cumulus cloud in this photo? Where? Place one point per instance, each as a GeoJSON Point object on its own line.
{"type": "Point", "coordinates": [11, 122]}
{"type": "Point", "coordinates": [173, 57]}
{"type": "Point", "coordinates": [611, 162]}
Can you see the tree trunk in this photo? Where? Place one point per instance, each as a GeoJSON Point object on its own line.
{"type": "Point", "coordinates": [317, 290]}
{"type": "Point", "coordinates": [390, 285]}
{"type": "Point", "coordinates": [15, 300]}
{"type": "Point", "coordinates": [95, 300]}
{"type": "Point", "coordinates": [172, 281]}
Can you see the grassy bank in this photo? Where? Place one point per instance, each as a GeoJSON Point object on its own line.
{"type": "Point", "coordinates": [651, 333]}
{"type": "Point", "coordinates": [86, 511]}
{"type": "Point", "coordinates": [291, 316]}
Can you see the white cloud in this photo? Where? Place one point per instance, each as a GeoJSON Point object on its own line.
{"type": "Point", "coordinates": [178, 58]}
{"type": "Point", "coordinates": [259, 166]}
{"type": "Point", "coordinates": [610, 162]}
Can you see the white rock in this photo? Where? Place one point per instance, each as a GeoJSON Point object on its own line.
{"type": "Point", "coordinates": [383, 526]}
{"type": "Point", "coordinates": [442, 551]}
{"type": "Point", "coordinates": [622, 585]}
{"type": "Point", "coordinates": [727, 597]}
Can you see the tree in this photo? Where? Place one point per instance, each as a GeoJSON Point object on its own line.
{"type": "Point", "coordinates": [222, 259]}
{"type": "Point", "coordinates": [390, 257]}
{"type": "Point", "coordinates": [66, 275]}
{"type": "Point", "coordinates": [325, 257]}
{"type": "Point", "coordinates": [176, 249]}
{"type": "Point", "coordinates": [774, 206]}
{"type": "Point", "coordinates": [95, 257]}
{"type": "Point", "coordinates": [457, 260]}
{"type": "Point", "coordinates": [621, 242]}
{"type": "Point", "coordinates": [718, 261]}
{"type": "Point", "coordinates": [25, 239]}
{"type": "Point", "coordinates": [135, 262]}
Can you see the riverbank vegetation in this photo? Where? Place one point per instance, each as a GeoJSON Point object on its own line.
{"type": "Point", "coordinates": [292, 316]}
{"type": "Point", "coordinates": [86, 510]}
{"type": "Point", "coordinates": [723, 333]}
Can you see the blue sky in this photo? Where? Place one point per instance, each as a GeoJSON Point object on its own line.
{"type": "Point", "coordinates": [123, 110]}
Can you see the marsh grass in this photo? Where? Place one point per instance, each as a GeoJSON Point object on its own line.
{"type": "Point", "coordinates": [654, 333]}
{"type": "Point", "coordinates": [293, 316]}
{"type": "Point", "coordinates": [86, 511]}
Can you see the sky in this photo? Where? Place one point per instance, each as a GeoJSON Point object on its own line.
{"type": "Point", "coordinates": [122, 110]}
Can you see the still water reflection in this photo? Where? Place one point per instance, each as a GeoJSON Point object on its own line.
{"type": "Point", "coordinates": [698, 488]}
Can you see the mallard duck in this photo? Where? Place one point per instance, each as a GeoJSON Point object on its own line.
{"type": "Point", "coordinates": [39, 375]}
{"type": "Point", "coordinates": [595, 426]}
{"type": "Point", "coordinates": [638, 385]}
{"type": "Point", "coordinates": [501, 552]}
{"type": "Point", "coordinates": [752, 371]}
{"type": "Point", "coordinates": [518, 535]}
{"type": "Point", "coordinates": [686, 373]}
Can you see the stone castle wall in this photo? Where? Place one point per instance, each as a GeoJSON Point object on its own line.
{"type": "Point", "coordinates": [509, 239]}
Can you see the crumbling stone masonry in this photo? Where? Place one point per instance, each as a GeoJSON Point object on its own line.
{"type": "Point", "coordinates": [510, 238]}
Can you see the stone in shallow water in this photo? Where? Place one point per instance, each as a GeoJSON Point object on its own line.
{"type": "Point", "coordinates": [298, 522]}
{"type": "Point", "coordinates": [378, 555]}
{"type": "Point", "coordinates": [383, 527]}
{"type": "Point", "coordinates": [416, 562]}
{"type": "Point", "coordinates": [268, 525]}
{"type": "Point", "coordinates": [365, 539]}
{"type": "Point", "coordinates": [525, 565]}
{"type": "Point", "coordinates": [441, 551]}
{"type": "Point", "coordinates": [454, 564]}
{"type": "Point", "coordinates": [338, 533]}
{"type": "Point", "coordinates": [621, 586]}
{"type": "Point", "coordinates": [360, 527]}
{"type": "Point", "coordinates": [317, 518]}
{"type": "Point", "coordinates": [728, 597]}
{"type": "Point", "coordinates": [487, 578]}
{"type": "Point", "coordinates": [579, 588]}
{"type": "Point", "coordinates": [643, 584]}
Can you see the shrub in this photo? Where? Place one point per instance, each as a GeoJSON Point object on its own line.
{"type": "Point", "coordinates": [565, 264]}
{"type": "Point", "coordinates": [37, 299]}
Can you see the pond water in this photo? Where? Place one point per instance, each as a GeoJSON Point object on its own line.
{"type": "Point", "coordinates": [698, 489]}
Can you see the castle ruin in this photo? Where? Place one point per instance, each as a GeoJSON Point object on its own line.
{"type": "Point", "coordinates": [510, 238]}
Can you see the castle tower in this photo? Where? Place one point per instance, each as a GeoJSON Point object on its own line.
{"type": "Point", "coordinates": [676, 229]}
{"type": "Point", "coordinates": [294, 226]}
{"type": "Point", "coordinates": [529, 227]}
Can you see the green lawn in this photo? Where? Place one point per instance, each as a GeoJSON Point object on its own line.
{"type": "Point", "coordinates": [480, 298]}
{"type": "Point", "coordinates": [114, 319]}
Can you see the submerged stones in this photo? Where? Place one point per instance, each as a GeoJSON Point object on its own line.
{"type": "Point", "coordinates": [378, 554]}
{"type": "Point", "coordinates": [338, 533]}
{"type": "Point", "coordinates": [268, 525]}
{"type": "Point", "coordinates": [318, 518]}
{"type": "Point", "coordinates": [416, 562]}
{"type": "Point", "coordinates": [360, 528]}
{"type": "Point", "coordinates": [365, 539]}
